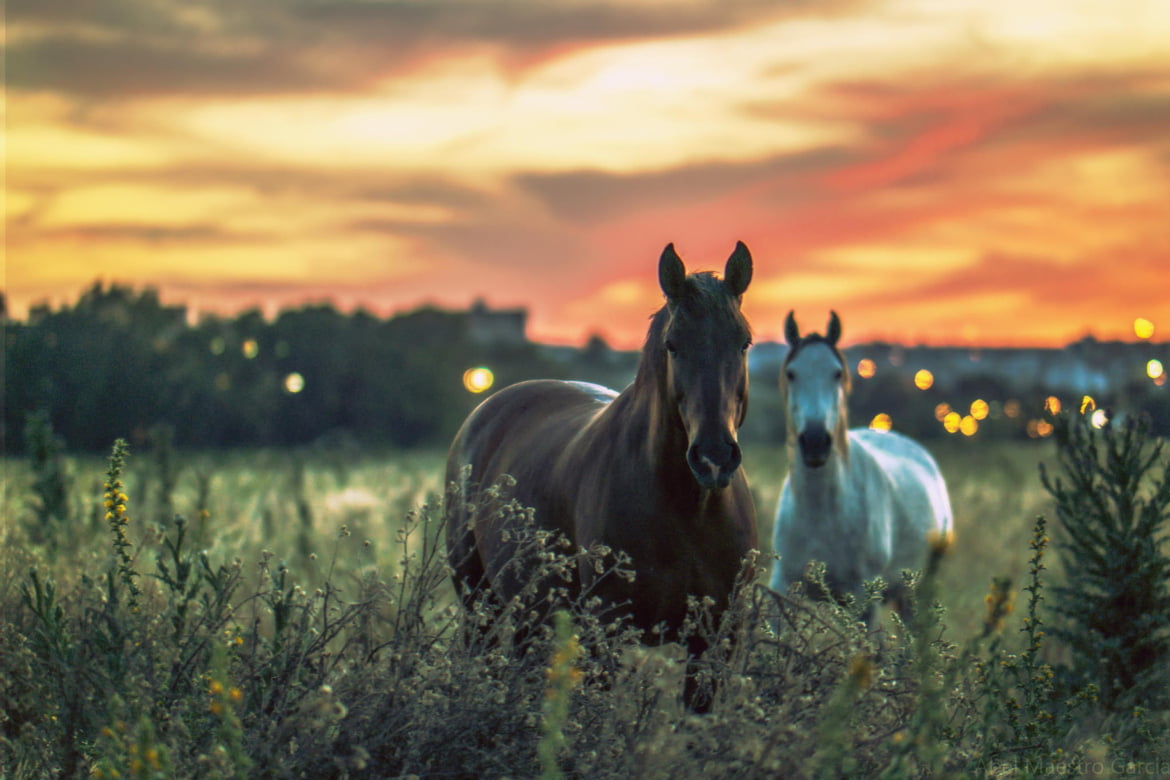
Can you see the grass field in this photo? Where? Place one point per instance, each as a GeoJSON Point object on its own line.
{"type": "Point", "coordinates": [302, 625]}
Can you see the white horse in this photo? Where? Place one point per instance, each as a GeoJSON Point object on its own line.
{"type": "Point", "coordinates": [864, 502]}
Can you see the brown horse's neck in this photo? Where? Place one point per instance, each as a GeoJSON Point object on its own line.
{"type": "Point", "coordinates": [652, 419]}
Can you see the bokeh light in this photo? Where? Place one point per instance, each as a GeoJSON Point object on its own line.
{"type": "Point", "coordinates": [882, 422]}
{"type": "Point", "coordinates": [1154, 369]}
{"type": "Point", "coordinates": [478, 379]}
{"type": "Point", "coordinates": [923, 379]}
{"type": "Point", "coordinates": [941, 411]}
{"type": "Point", "coordinates": [1038, 429]}
{"type": "Point", "coordinates": [250, 348]}
{"type": "Point", "coordinates": [968, 426]}
{"type": "Point", "coordinates": [951, 422]}
{"type": "Point", "coordinates": [1011, 408]}
{"type": "Point", "coordinates": [294, 383]}
{"type": "Point", "coordinates": [866, 368]}
{"type": "Point", "coordinates": [1143, 328]}
{"type": "Point", "coordinates": [1052, 405]}
{"type": "Point", "coordinates": [980, 409]}
{"type": "Point", "coordinates": [1099, 418]}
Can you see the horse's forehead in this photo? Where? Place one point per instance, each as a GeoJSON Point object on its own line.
{"type": "Point", "coordinates": [816, 357]}
{"type": "Point", "coordinates": [709, 312]}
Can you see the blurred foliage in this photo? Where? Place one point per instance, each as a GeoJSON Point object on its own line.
{"type": "Point", "coordinates": [119, 363]}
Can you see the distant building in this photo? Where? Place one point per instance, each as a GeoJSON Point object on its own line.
{"type": "Point", "coordinates": [497, 326]}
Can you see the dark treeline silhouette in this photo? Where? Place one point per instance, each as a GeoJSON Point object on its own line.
{"type": "Point", "coordinates": [119, 363]}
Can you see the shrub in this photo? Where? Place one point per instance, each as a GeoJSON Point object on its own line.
{"type": "Point", "coordinates": [1113, 501]}
{"type": "Point", "coordinates": [341, 664]}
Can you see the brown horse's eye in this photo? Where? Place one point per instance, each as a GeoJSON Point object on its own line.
{"type": "Point", "coordinates": [670, 348]}
{"type": "Point", "coordinates": [746, 344]}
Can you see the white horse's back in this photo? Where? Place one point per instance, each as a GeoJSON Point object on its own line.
{"type": "Point", "coordinates": [917, 489]}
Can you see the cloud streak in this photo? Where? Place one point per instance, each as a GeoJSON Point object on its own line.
{"type": "Point", "coordinates": [929, 174]}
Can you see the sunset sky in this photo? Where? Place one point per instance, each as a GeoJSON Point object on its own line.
{"type": "Point", "coordinates": [963, 172]}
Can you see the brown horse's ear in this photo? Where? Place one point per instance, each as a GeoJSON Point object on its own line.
{"type": "Point", "coordinates": [738, 273]}
{"type": "Point", "coordinates": [791, 331]}
{"type": "Point", "coordinates": [672, 274]}
{"type": "Point", "coordinates": [833, 334]}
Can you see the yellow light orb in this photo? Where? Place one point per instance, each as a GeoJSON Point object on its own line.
{"type": "Point", "coordinates": [1154, 369]}
{"type": "Point", "coordinates": [881, 422]}
{"type": "Point", "coordinates": [250, 348]}
{"type": "Point", "coordinates": [866, 368]}
{"type": "Point", "coordinates": [1099, 418]}
{"type": "Point", "coordinates": [980, 409]}
{"type": "Point", "coordinates": [951, 422]}
{"type": "Point", "coordinates": [477, 380]}
{"type": "Point", "coordinates": [1052, 405]}
{"type": "Point", "coordinates": [1088, 404]}
{"type": "Point", "coordinates": [968, 426]}
{"type": "Point", "coordinates": [923, 380]}
{"type": "Point", "coordinates": [294, 383]}
{"type": "Point", "coordinates": [1143, 328]}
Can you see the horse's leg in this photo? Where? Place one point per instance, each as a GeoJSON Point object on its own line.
{"type": "Point", "coordinates": [697, 696]}
{"type": "Point", "coordinates": [903, 604]}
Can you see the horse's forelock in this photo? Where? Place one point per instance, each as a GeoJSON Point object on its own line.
{"type": "Point", "coordinates": [817, 338]}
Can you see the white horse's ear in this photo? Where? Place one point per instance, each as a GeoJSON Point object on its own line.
{"type": "Point", "coordinates": [672, 274]}
{"type": "Point", "coordinates": [833, 334]}
{"type": "Point", "coordinates": [737, 275]}
{"type": "Point", "coordinates": [791, 331]}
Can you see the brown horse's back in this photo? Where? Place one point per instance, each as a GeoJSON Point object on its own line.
{"type": "Point", "coordinates": [521, 431]}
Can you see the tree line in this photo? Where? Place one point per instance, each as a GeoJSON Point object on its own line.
{"type": "Point", "coordinates": [119, 363]}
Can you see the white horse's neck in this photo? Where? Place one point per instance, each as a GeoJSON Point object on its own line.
{"type": "Point", "coordinates": [820, 492]}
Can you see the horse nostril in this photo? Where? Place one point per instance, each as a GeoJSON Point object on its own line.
{"type": "Point", "coordinates": [815, 443]}
{"type": "Point", "coordinates": [736, 456]}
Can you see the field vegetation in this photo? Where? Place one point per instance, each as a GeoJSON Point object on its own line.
{"type": "Point", "coordinates": [287, 613]}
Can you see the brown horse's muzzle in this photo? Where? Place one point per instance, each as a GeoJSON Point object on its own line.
{"type": "Point", "coordinates": [714, 462]}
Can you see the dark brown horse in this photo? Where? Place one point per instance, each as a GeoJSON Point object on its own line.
{"type": "Point", "coordinates": [653, 471]}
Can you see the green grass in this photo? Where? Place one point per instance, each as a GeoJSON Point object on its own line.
{"type": "Point", "coordinates": [299, 622]}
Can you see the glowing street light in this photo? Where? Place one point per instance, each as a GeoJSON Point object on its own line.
{"type": "Point", "coordinates": [923, 380]}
